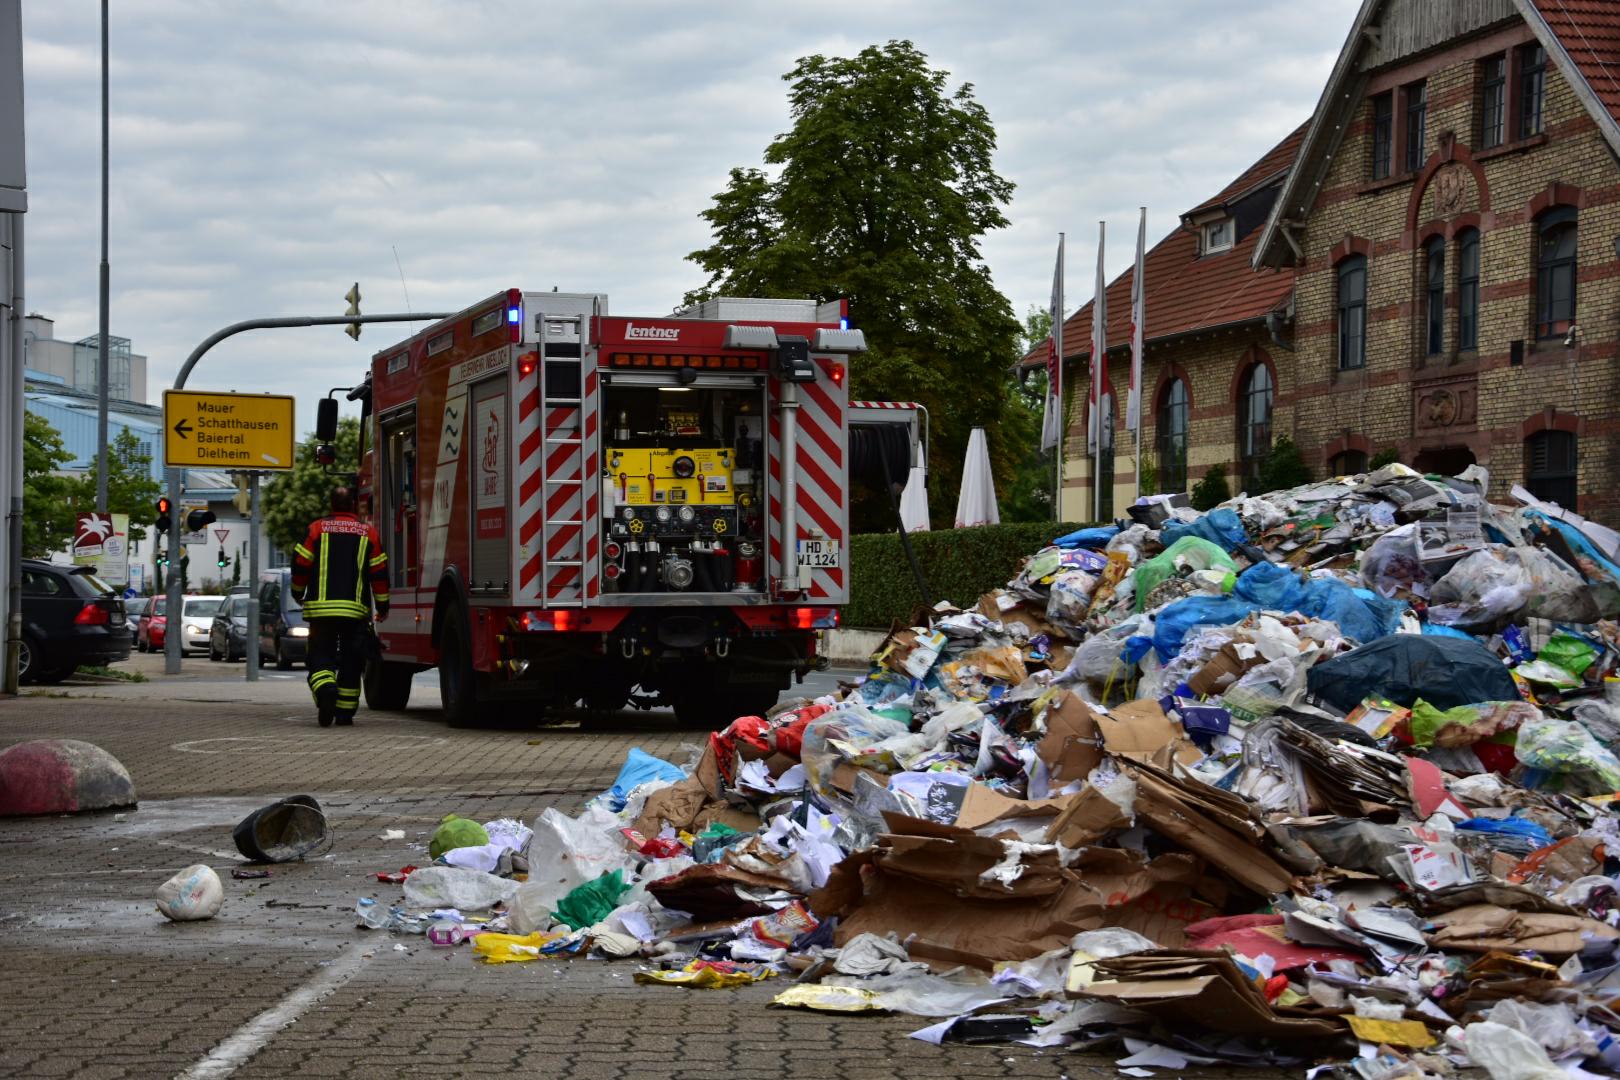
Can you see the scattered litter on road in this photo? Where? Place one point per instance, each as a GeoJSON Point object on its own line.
{"type": "Point", "coordinates": [241, 874]}
{"type": "Point", "coordinates": [194, 893]}
{"type": "Point", "coordinates": [1323, 777]}
{"type": "Point", "coordinates": [392, 834]}
{"type": "Point", "coordinates": [287, 829]}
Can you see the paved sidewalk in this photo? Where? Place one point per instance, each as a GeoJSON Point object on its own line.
{"type": "Point", "coordinates": [102, 986]}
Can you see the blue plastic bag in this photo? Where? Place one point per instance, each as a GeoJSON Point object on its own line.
{"type": "Point", "coordinates": [1171, 626]}
{"type": "Point", "coordinates": [1096, 537]}
{"type": "Point", "coordinates": [1526, 836]}
{"type": "Point", "coordinates": [1267, 585]}
{"type": "Point", "coordinates": [1220, 526]}
{"type": "Point", "coordinates": [1361, 614]}
{"type": "Point", "coordinates": [639, 768]}
{"type": "Point", "coordinates": [1436, 630]}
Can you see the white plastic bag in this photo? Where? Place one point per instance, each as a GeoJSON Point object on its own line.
{"type": "Point", "coordinates": [453, 887]}
{"type": "Point", "coordinates": [1509, 1054]}
{"type": "Point", "coordinates": [1071, 596]}
{"type": "Point", "coordinates": [194, 893]}
{"type": "Point", "coordinates": [564, 854]}
{"type": "Point", "coordinates": [1551, 1025]}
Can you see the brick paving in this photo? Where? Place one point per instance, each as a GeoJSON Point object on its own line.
{"type": "Point", "coordinates": [102, 986]}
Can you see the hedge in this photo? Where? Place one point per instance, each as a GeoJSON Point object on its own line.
{"type": "Point", "coordinates": [959, 565]}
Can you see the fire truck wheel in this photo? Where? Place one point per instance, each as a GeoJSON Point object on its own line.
{"type": "Point", "coordinates": [387, 685]}
{"type": "Point", "coordinates": [458, 681]}
{"type": "Point", "coordinates": [714, 710]}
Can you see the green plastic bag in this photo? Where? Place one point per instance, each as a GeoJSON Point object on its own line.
{"type": "Point", "coordinates": [1568, 652]}
{"type": "Point", "coordinates": [1192, 551]}
{"type": "Point", "coordinates": [591, 902]}
{"type": "Point", "coordinates": [456, 832]}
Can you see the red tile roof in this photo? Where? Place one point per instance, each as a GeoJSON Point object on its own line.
{"type": "Point", "coordinates": [1589, 30]}
{"type": "Point", "coordinates": [1186, 292]}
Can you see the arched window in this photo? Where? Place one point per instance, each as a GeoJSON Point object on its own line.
{"type": "Point", "coordinates": [1468, 290]}
{"type": "Point", "coordinates": [1254, 422]}
{"type": "Point", "coordinates": [1550, 466]}
{"type": "Point", "coordinates": [1348, 462]}
{"type": "Point", "coordinates": [1171, 432]}
{"type": "Point", "coordinates": [1435, 296]}
{"type": "Point", "coordinates": [1555, 272]}
{"type": "Point", "coordinates": [1353, 313]}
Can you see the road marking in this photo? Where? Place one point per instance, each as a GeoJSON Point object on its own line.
{"type": "Point", "coordinates": [314, 743]}
{"type": "Point", "coordinates": [229, 856]}
{"type": "Point", "coordinates": [252, 1036]}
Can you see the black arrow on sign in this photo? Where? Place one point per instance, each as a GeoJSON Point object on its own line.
{"type": "Point", "coordinates": [182, 428]}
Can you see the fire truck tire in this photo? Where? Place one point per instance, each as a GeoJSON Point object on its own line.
{"type": "Point", "coordinates": [714, 710]}
{"type": "Point", "coordinates": [458, 681]}
{"type": "Point", "coordinates": [387, 685]}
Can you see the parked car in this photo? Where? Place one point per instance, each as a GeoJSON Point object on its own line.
{"type": "Point", "coordinates": [71, 618]}
{"type": "Point", "coordinates": [283, 633]}
{"type": "Point", "coordinates": [135, 609]}
{"type": "Point", "coordinates": [227, 634]}
{"type": "Point", "coordinates": [149, 635]}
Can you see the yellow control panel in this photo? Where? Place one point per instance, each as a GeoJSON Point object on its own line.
{"type": "Point", "coordinates": [671, 477]}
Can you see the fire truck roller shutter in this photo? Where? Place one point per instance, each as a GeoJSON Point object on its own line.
{"type": "Point", "coordinates": [879, 453]}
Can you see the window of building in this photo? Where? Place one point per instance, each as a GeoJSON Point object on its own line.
{"type": "Point", "coordinates": [1353, 313]}
{"type": "Point", "coordinates": [1435, 257]}
{"type": "Point", "coordinates": [1348, 462]}
{"type": "Point", "coordinates": [1171, 433]}
{"type": "Point", "coordinates": [1417, 108]}
{"type": "Point", "coordinates": [1532, 89]}
{"type": "Point", "coordinates": [1468, 290]}
{"type": "Point", "coordinates": [1383, 135]}
{"type": "Point", "coordinates": [1218, 236]}
{"type": "Point", "coordinates": [1493, 102]}
{"type": "Point", "coordinates": [1254, 423]}
{"type": "Point", "coordinates": [1549, 467]}
{"type": "Point", "coordinates": [1555, 272]}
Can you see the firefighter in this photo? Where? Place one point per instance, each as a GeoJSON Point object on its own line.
{"type": "Point", "coordinates": [339, 571]}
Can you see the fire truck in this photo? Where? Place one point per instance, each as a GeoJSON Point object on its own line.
{"type": "Point", "coordinates": [581, 507]}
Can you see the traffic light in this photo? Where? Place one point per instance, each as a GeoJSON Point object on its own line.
{"type": "Point", "coordinates": [198, 520]}
{"type": "Point", "coordinates": [353, 297]}
{"type": "Point", "coordinates": [243, 499]}
{"type": "Point", "coordinates": [220, 560]}
{"type": "Point", "coordinates": [163, 558]}
{"type": "Point", "coordinates": [163, 520]}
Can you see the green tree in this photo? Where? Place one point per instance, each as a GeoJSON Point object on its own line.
{"type": "Point", "coordinates": [236, 569]}
{"type": "Point", "coordinates": [1283, 468]}
{"type": "Point", "coordinates": [883, 188]}
{"type": "Point", "coordinates": [1389, 455]}
{"type": "Point", "coordinates": [296, 498]}
{"type": "Point", "coordinates": [185, 573]}
{"type": "Point", "coordinates": [50, 500]}
{"type": "Point", "coordinates": [130, 487]}
{"type": "Point", "coordinates": [1028, 495]}
{"type": "Point", "coordinates": [1212, 490]}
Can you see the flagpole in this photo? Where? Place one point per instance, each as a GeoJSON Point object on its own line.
{"type": "Point", "coordinates": [1099, 362]}
{"type": "Point", "coordinates": [1139, 341]}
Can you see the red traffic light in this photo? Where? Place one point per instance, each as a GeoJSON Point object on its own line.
{"type": "Point", "coordinates": [162, 522]}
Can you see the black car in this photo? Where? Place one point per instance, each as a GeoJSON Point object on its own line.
{"type": "Point", "coordinates": [283, 633]}
{"type": "Point", "coordinates": [227, 636]}
{"type": "Point", "coordinates": [71, 619]}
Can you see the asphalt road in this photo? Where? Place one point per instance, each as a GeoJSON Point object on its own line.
{"type": "Point", "coordinates": [283, 983]}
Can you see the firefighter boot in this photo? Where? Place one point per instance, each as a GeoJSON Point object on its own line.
{"type": "Point", "coordinates": [326, 704]}
{"type": "Point", "coordinates": [348, 701]}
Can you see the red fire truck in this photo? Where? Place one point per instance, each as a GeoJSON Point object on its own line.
{"type": "Point", "coordinates": [575, 504]}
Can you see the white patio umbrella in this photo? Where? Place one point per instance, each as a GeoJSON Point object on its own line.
{"type": "Point", "coordinates": [914, 501]}
{"type": "Point", "coordinates": [977, 503]}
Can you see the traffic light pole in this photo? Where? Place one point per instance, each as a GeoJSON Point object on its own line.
{"type": "Point", "coordinates": [254, 532]}
{"type": "Point", "coordinates": [173, 634]}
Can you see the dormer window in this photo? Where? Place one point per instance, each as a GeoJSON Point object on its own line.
{"type": "Point", "coordinates": [1218, 236]}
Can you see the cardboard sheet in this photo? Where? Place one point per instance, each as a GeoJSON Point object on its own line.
{"type": "Point", "coordinates": [1211, 823]}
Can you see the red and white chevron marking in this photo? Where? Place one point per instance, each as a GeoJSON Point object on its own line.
{"type": "Point", "coordinates": [529, 482]}
{"type": "Point", "coordinates": [884, 405]}
{"type": "Point", "coordinates": [593, 489]}
{"type": "Point", "coordinates": [823, 481]}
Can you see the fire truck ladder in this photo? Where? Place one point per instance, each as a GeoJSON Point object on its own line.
{"type": "Point", "coordinates": [562, 425]}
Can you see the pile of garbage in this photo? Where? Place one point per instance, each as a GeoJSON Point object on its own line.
{"type": "Point", "coordinates": [1318, 777]}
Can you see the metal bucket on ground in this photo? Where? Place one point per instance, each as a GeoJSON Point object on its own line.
{"type": "Point", "coordinates": [285, 830]}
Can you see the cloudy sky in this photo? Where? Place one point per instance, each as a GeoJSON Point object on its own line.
{"type": "Point", "coordinates": [265, 155]}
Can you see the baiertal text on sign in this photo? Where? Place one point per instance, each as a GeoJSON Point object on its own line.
{"type": "Point", "coordinates": [204, 429]}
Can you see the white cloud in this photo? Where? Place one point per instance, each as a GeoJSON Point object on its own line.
{"type": "Point", "coordinates": [266, 156]}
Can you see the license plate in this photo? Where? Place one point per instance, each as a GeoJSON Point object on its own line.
{"type": "Point", "coordinates": [116, 618]}
{"type": "Point", "coordinates": [818, 554]}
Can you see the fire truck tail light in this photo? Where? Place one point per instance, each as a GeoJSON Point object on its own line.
{"type": "Point", "coordinates": [837, 373]}
{"type": "Point", "coordinates": [561, 620]}
{"type": "Point", "coordinates": [809, 618]}
{"type": "Point", "coordinates": [526, 366]}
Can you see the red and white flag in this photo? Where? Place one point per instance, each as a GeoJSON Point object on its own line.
{"type": "Point", "coordinates": [1052, 417]}
{"type": "Point", "coordinates": [1099, 348]}
{"type": "Point", "coordinates": [1133, 405]}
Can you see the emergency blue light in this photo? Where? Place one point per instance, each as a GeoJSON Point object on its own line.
{"type": "Point", "coordinates": [513, 315]}
{"type": "Point", "coordinates": [843, 324]}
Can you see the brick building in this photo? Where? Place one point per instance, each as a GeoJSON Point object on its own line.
{"type": "Point", "coordinates": [1431, 264]}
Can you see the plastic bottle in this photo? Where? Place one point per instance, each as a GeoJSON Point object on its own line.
{"type": "Point", "coordinates": [371, 914]}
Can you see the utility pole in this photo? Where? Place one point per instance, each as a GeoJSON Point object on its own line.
{"type": "Point", "coordinates": [101, 340]}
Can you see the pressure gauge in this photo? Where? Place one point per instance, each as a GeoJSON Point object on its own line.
{"type": "Point", "coordinates": [687, 515]}
{"type": "Point", "coordinates": [628, 513]}
{"type": "Point", "coordinates": [663, 514]}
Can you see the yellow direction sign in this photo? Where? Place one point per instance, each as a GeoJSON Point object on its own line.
{"type": "Point", "coordinates": [207, 430]}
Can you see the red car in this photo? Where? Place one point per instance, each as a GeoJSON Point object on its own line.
{"type": "Point", "coordinates": [149, 638]}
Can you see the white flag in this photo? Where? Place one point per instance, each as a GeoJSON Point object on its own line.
{"type": "Point", "coordinates": [1099, 348]}
{"type": "Point", "coordinates": [1052, 418]}
{"type": "Point", "coordinates": [1133, 404]}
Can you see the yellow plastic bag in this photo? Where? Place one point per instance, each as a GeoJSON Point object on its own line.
{"type": "Point", "coordinates": [704, 975]}
{"type": "Point", "coordinates": [828, 999]}
{"type": "Point", "coordinates": [510, 948]}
